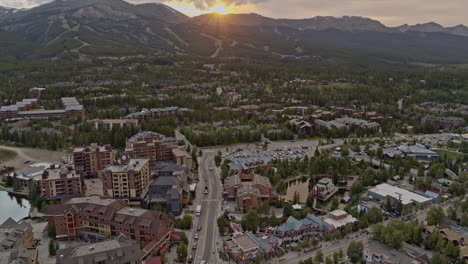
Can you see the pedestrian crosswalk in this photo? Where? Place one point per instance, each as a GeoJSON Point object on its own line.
{"type": "Point", "coordinates": [210, 200]}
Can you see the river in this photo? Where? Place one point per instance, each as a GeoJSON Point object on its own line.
{"type": "Point", "coordinates": [13, 206]}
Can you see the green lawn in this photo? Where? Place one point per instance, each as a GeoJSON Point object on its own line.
{"type": "Point", "coordinates": [7, 154]}
{"type": "Point", "coordinates": [450, 154]}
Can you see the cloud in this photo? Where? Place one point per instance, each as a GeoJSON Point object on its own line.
{"type": "Point", "coordinates": [22, 3]}
{"type": "Point", "coordinates": [207, 4]}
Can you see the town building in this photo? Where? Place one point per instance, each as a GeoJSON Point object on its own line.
{"type": "Point", "coordinates": [150, 145]}
{"type": "Point", "coordinates": [347, 122]}
{"type": "Point", "coordinates": [301, 126]}
{"type": "Point", "coordinates": [385, 192]}
{"type": "Point", "coordinates": [88, 161]}
{"type": "Point", "coordinates": [111, 123]}
{"type": "Point", "coordinates": [311, 225]}
{"type": "Point", "coordinates": [171, 188]}
{"type": "Point", "coordinates": [182, 157]}
{"type": "Point", "coordinates": [376, 252]}
{"type": "Point", "coordinates": [445, 123]}
{"type": "Point", "coordinates": [232, 98]}
{"type": "Point", "coordinates": [97, 217]}
{"type": "Point", "coordinates": [249, 190]}
{"type": "Point", "coordinates": [324, 189]}
{"type": "Point", "coordinates": [243, 248]}
{"type": "Point", "coordinates": [157, 113]}
{"type": "Point", "coordinates": [339, 219]}
{"type": "Point", "coordinates": [416, 151]}
{"type": "Point", "coordinates": [247, 165]}
{"type": "Point", "coordinates": [60, 182]}
{"type": "Point", "coordinates": [127, 181]}
{"type": "Point", "coordinates": [15, 235]}
{"type": "Point", "coordinates": [120, 250]}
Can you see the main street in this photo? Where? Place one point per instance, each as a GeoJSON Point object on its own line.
{"type": "Point", "coordinates": [211, 209]}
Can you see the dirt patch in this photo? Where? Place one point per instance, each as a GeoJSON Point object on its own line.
{"type": "Point", "coordinates": [33, 155]}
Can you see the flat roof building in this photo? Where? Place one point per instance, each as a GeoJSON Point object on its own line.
{"type": "Point", "coordinates": [120, 250]}
{"type": "Point", "coordinates": [384, 191]}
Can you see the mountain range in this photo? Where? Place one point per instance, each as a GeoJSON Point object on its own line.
{"type": "Point", "coordinates": [80, 29]}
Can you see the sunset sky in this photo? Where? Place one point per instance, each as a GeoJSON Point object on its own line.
{"type": "Point", "coordinates": [389, 12]}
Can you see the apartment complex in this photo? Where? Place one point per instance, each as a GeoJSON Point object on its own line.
{"type": "Point", "coordinates": [88, 161]}
{"type": "Point", "coordinates": [111, 123]}
{"type": "Point", "coordinates": [97, 217]}
{"type": "Point", "coordinates": [127, 181]}
{"type": "Point", "coordinates": [60, 182]}
{"type": "Point", "coordinates": [150, 145]}
{"type": "Point", "coordinates": [157, 113]}
{"type": "Point", "coordinates": [71, 108]}
{"type": "Point", "coordinates": [445, 123]}
{"type": "Point", "coordinates": [120, 250]}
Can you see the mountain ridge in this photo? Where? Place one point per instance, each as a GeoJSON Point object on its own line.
{"type": "Point", "coordinates": [81, 29]}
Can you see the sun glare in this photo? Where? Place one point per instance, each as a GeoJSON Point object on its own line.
{"type": "Point", "coordinates": [189, 9]}
{"type": "Point", "coordinates": [220, 8]}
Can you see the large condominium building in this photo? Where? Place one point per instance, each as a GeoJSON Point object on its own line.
{"type": "Point", "coordinates": [97, 217]}
{"type": "Point", "coordinates": [151, 145]}
{"type": "Point", "coordinates": [60, 182]}
{"type": "Point", "coordinates": [127, 181]}
{"type": "Point", "coordinates": [90, 160]}
{"type": "Point", "coordinates": [23, 109]}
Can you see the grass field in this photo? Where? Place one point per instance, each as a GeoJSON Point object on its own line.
{"type": "Point", "coordinates": [7, 154]}
{"type": "Point", "coordinates": [450, 154]}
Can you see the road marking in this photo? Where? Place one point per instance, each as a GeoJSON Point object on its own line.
{"type": "Point", "coordinates": [210, 200]}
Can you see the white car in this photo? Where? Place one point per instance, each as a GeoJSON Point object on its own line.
{"type": "Point", "coordinates": [196, 235]}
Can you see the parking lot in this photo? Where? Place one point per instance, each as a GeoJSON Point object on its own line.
{"type": "Point", "coordinates": [284, 150]}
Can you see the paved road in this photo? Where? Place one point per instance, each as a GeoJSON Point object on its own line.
{"type": "Point", "coordinates": [211, 209]}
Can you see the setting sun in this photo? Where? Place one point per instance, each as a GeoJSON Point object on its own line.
{"type": "Point", "coordinates": [189, 9]}
{"type": "Point", "coordinates": [220, 8]}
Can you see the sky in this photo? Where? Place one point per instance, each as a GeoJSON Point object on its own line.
{"type": "Point", "coordinates": [389, 12]}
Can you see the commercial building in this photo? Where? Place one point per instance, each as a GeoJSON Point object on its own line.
{"type": "Point", "coordinates": [249, 190]}
{"type": "Point", "coordinates": [416, 151]}
{"type": "Point", "coordinates": [243, 248]}
{"type": "Point", "coordinates": [111, 123]}
{"type": "Point", "coordinates": [157, 113]}
{"type": "Point", "coordinates": [97, 217]}
{"type": "Point", "coordinates": [150, 145]}
{"type": "Point", "coordinates": [377, 252]}
{"type": "Point", "coordinates": [324, 189]}
{"type": "Point", "coordinates": [127, 181]}
{"type": "Point", "coordinates": [88, 161]}
{"type": "Point", "coordinates": [384, 192]}
{"type": "Point", "coordinates": [347, 122]}
{"type": "Point", "coordinates": [60, 182]}
{"type": "Point", "coordinates": [120, 250]}
{"type": "Point", "coordinates": [339, 219]}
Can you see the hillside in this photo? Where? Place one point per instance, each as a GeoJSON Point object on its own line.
{"type": "Point", "coordinates": [81, 29]}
